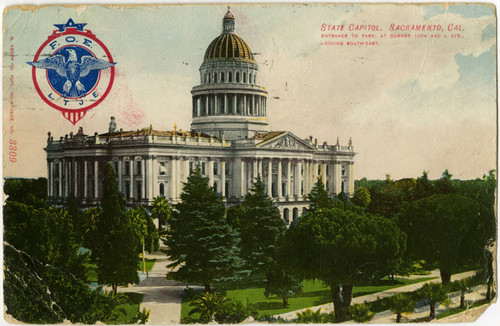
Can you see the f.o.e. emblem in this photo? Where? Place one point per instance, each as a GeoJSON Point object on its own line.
{"type": "Point", "coordinates": [73, 71]}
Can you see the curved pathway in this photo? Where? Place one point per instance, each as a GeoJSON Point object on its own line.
{"type": "Point", "coordinates": [326, 308]}
{"type": "Point", "coordinates": [161, 296]}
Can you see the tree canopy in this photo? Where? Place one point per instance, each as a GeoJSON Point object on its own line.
{"type": "Point", "coordinates": [438, 226]}
{"type": "Point", "coordinates": [115, 246]}
{"type": "Point", "coordinates": [260, 225]}
{"type": "Point", "coordinates": [342, 247]}
{"type": "Point", "coordinates": [200, 242]}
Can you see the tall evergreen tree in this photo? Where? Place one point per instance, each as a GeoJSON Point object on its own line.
{"type": "Point", "coordinates": [116, 244]}
{"type": "Point", "coordinates": [319, 197]}
{"type": "Point", "coordinates": [260, 225]}
{"type": "Point", "coordinates": [200, 242]}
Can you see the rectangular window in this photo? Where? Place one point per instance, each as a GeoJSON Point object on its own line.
{"type": "Point", "coordinates": [139, 167]}
{"type": "Point", "coordinates": [227, 170]}
{"type": "Point", "coordinates": [203, 168]}
{"type": "Point", "coordinates": [327, 169]}
{"type": "Point", "coordinates": [216, 168]}
{"type": "Point", "coordinates": [127, 168]}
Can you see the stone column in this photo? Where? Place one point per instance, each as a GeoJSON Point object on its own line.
{"type": "Point", "coordinates": [255, 170]}
{"type": "Point", "coordinates": [96, 179]}
{"type": "Point", "coordinates": [85, 182]}
{"type": "Point", "coordinates": [350, 178]}
{"type": "Point", "coordinates": [337, 178]}
{"type": "Point", "coordinates": [120, 176]}
{"type": "Point", "coordinates": [289, 179]}
{"type": "Point", "coordinates": [280, 192]}
{"type": "Point", "coordinates": [253, 104]}
{"type": "Point", "coordinates": [323, 173]}
{"type": "Point", "coordinates": [216, 105]}
{"type": "Point", "coordinates": [210, 172]}
{"type": "Point", "coordinates": [50, 183]}
{"type": "Point", "coordinates": [270, 178]}
{"type": "Point", "coordinates": [151, 179]}
{"type": "Point", "coordinates": [234, 104]}
{"type": "Point", "coordinates": [298, 179]}
{"type": "Point", "coordinates": [60, 179]}
{"type": "Point", "coordinates": [243, 178]}
{"type": "Point", "coordinates": [245, 109]}
{"type": "Point", "coordinates": [143, 177]}
{"type": "Point", "coordinates": [75, 178]}
{"type": "Point", "coordinates": [223, 178]}
{"type": "Point", "coordinates": [131, 190]}
{"type": "Point", "coordinates": [260, 169]}
{"type": "Point", "coordinates": [173, 178]}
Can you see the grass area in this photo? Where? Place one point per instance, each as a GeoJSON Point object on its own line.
{"type": "Point", "coordinates": [125, 313]}
{"type": "Point", "coordinates": [149, 264]}
{"type": "Point", "coordinates": [455, 311]}
{"type": "Point", "coordinates": [314, 293]}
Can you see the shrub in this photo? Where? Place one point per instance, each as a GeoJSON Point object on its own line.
{"type": "Point", "coordinates": [207, 304]}
{"type": "Point", "coordinates": [308, 316]}
{"type": "Point", "coordinates": [360, 312]}
{"type": "Point", "coordinates": [233, 312]}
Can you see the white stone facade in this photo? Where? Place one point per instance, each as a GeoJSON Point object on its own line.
{"type": "Point", "coordinates": [229, 141]}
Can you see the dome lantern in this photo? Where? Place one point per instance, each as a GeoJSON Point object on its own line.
{"type": "Point", "coordinates": [228, 22]}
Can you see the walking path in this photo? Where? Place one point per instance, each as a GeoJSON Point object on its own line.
{"type": "Point", "coordinates": [161, 296]}
{"type": "Point", "coordinates": [327, 308]}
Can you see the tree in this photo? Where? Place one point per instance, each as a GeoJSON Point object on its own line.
{"type": "Point", "coordinates": [464, 286]}
{"type": "Point", "coordinates": [444, 185]}
{"type": "Point", "coordinates": [402, 303]}
{"type": "Point", "coordinates": [161, 210]}
{"type": "Point", "coordinates": [200, 242]}
{"type": "Point", "coordinates": [115, 249]}
{"type": "Point", "coordinates": [341, 247]}
{"type": "Point", "coordinates": [282, 284]}
{"type": "Point", "coordinates": [361, 197]}
{"type": "Point", "coordinates": [433, 293]}
{"type": "Point", "coordinates": [318, 198]}
{"type": "Point", "coordinates": [138, 216]}
{"type": "Point", "coordinates": [260, 226]}
{"type": "Point", "coordinates": [437, 226]}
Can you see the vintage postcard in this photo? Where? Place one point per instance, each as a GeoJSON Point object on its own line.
{"type": "Point", "coordinates": [249, 163]}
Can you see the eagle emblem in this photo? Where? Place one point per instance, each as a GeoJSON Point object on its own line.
{"type": "Point", "coordinates": [72, 70]}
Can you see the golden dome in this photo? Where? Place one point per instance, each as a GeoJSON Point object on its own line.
{"type": "Point", "coordinates": [229, 46]}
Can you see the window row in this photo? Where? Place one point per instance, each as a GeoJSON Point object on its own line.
{"type": "Point", "coordinates": [229, 77]}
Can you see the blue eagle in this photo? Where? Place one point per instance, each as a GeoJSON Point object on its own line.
{"type": "Point", "coordinates": [72, 70]}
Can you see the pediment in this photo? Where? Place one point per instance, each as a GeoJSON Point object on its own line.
{"type": "Point", "coordinates": [286, 141]}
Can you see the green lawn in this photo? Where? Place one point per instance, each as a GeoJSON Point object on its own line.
{"type": "Point", "coordinates": [459, 310]}
{"type": "Point", "coordinates": [130, 308]}
{"type": "Point", "coordinates": [314, 293]}
{"type": "Point", "coordinates": [149, 264]}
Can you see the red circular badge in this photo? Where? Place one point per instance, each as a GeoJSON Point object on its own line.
{"type": "Point", "coordinates": [73, 71]}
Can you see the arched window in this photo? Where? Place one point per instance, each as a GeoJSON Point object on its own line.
{"type": "Point", "coordinates": [286, 216]}
{"type": "Point", "coordinates": [230, 78]}
{"type": "Point", "coordinates": [295, 214]}
{"type": "Point", "coordinates": [215, 77]}
{"type": "Point", "coordinates": [244, 77]}
{"type": "Point", "coordinates": [162, 190]}
{"type": "Point", "coordinates": [215, 187]}
{"type": "Point", "coordinates": [250, 78]}
{"type": "Point", "coordinates": [237, 77]}
{"type": "Point", "coordinates": [221, 77]}
{"type": "Point", "coordinates": [255, 79]}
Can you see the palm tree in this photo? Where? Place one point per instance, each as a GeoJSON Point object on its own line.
{"type": "Point", "coordinates": [434, 293]}
{"type": "Point", "coordinates": [161, 210]}
{"type": "Point", "coordinates": [402, 303]}
{"type": "Point", "coordinates": [207, 305]}
{"type": "Point", "coordinates": [464, 287]}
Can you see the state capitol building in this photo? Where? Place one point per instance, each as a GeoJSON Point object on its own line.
{"type": "Point", "coordinates": [229, 140]}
